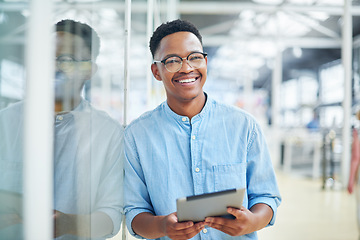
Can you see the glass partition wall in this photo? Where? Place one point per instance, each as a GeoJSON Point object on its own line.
{"type": "Point", "coordinates": [12, 90]}
{"type": "Point", "coordinates": [62, 114]}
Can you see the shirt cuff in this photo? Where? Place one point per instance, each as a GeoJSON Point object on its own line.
{"type": "Point", "coordinates": [271, 202]}
{"type": "Point", "coordinates": [129, 216]}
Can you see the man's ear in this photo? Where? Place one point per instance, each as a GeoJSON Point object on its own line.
{"type": "Point", "coordinates": [155, 71]}
{"type": "Point", "coordinates": [94, 68]}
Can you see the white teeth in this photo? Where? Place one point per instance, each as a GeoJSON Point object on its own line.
{"type": "Point", "coordinates": [187, 80]}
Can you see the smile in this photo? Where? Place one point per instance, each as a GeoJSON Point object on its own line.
{"type": "Point", "coordinates": [189, 80]}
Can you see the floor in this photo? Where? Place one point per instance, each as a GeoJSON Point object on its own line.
{"type": "Point", "coordinates": [308, 212]}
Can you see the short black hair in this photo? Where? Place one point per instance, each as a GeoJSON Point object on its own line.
{"type": "Point", "coordinates": [169, 28]}
{"type": "Point", "coordinates": [82, 30]}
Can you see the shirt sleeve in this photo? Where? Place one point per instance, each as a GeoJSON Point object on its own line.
{"type": "Point", "coordinates": [261, 181]}
{"type": "Point", "coordinates": [110, 195]}
{"type": "Point", "coordinates": [137, 199]}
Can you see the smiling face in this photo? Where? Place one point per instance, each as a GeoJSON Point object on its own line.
{"type": "Point", "coordinates": [70, 46]}
{"type": "Point", "coordinates": [73, 68]}
{"type": "Point", "coordinates": [184, 86]}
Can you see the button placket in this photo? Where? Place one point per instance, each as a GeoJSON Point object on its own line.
{"type": "Point", "coordinates": [195, 158]}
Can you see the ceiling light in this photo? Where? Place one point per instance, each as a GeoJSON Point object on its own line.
{"type": "Point", "coordinates": [302, 2]}
{"type": "Point", "coordinates": [332, 2]}
{"type": "Point", "coordinates": [269, 2]}
{"type": "Point", "coordinates": [247, 14]}
{"type": "Point", "coordinates": [297, 51]}
{"type": "Point", "coordinates": [322, 16]}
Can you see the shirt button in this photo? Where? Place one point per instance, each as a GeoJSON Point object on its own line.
{"type": "Point", "coordinates": [183, 119]}
{"type": "Point", "coordinates": [197, 169]}
{"type": "Point", "coordinates": [193, 137]}
{"type": "Point", "coordinates": [60, 118]}
{"type": "Point", "coordinates": [204, 230]}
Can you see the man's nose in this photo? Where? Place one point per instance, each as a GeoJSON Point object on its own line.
{"type": "Point", "coordinates": [186, 67]}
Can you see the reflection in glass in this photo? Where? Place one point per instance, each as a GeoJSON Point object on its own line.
{"type": "Point", "coordinates": [87, 167]}
{"type": "Point", "coordinates": [87, 149]}
{"type": "Point", "coordinates": [12, 82]}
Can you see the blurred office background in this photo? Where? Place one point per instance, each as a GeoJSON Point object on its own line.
{"type": "Point", "coordinates": [287, 62]}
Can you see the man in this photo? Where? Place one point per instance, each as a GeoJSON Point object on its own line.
{"type": "Point", "coordinates": [191, 145]}
{"type": "Point", "coordinates": [88, 151]}
{"type": "Point", "coordinates": [354, 180]}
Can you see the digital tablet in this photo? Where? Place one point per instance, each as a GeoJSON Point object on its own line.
{"type": "Point", "coordinates": [197, 208]}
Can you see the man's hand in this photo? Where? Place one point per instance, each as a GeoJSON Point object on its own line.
{"type": "Point", "coordinates": [184, 230]}
{"type": "Point", "coordinates": [245, 222]}
{"type": "Point", "coordinates": [9, 219]}
{"type": "Point", "coordinates": [63, 224]}
{"type": "Point", "coordinates": [149, 226]}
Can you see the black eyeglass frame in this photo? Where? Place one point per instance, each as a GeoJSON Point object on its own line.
{"type": "Point", "coordinates": [182, 59]}
{"type": "Point", "coordinates": [70, 59]}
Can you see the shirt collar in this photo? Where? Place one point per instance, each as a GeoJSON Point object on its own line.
{"type": "Point", "coordinates": [179, 118]}
{"type": "Point", "coordinates": [61, 116]}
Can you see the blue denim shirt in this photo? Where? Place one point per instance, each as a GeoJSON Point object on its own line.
{"type": "Point", "coordinates": [168, 157]}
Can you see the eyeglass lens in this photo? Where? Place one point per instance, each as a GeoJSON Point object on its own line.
{"type": "Point", "coordinates": [67, 64]}
{"type": "Point", "coordinates": [195, 60]}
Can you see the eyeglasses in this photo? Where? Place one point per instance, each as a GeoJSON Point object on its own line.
{"type": "Point", "coordinates": [174, 63]}
{"type": "Point", "coordinates": [68, 64]}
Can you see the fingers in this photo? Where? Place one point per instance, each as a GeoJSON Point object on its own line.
{"type": "Point", "coordinates": [350, 186]}
{"type": "Point", "coordinates": [237, 213]}
{"type": "Point", "coordinates": [229, 226]}
{"type": "Point", "coordinates": [218, 224]}
{"type": "Point", "coordinates": [244, 222]}
{"type": "Point", "coordinates": [183, 226]}
{"type": "Point", "coordinates": [185, 230]}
